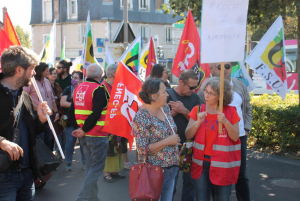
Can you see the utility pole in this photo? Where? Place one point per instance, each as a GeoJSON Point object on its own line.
{"type": "Point", "coordinates": [125, 18]}
{"type": "Point", "coordinates": [61, 27]}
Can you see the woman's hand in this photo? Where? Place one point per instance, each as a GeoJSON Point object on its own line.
{"type": "Point", "coordinates": [174, 139]}
{"type": "Point", "coordinates": [221, 118]}
{"type": "Point", "coordinates": [200, 118]}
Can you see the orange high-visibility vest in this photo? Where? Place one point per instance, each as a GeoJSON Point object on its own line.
{"type": "Point", "coordinates": [225, 156]}
{"type": "Point", "coordinates": [83, 104]}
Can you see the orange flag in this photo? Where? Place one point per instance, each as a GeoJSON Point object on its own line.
{"type": "Point", "coordinates": [4, 41]}
{"type": "Point", "coordinates": [10, 31]}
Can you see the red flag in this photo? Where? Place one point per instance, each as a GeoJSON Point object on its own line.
{"type": "Point", "coordinates": [188, 53]}
{"type": "Point", "coordinates": [4, 41]}
{"type": "Point", "coordinates": [10, 30]}
{"type": "Point", "coordinates": [123, 103]}
{"type": "Point", "coordinates": [151, 58]}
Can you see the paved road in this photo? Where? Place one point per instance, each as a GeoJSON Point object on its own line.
{"type": "Point", "coordinates": [262, 170]}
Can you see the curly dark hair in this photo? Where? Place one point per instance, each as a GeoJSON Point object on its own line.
{"type": "Point", "coordinates": [150, 86]}
{"type": "Point", "coordinates": [214, 83]}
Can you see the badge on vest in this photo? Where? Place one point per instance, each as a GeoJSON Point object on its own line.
{"type": "Point", "coordinates": [80, 94]}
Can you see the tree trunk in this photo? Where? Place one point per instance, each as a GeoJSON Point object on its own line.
{"type": "Point", "coordinates": [298, 57]}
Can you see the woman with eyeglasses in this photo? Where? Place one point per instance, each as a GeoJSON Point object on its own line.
{"type": "Point", "coordinates": [216, 156]}
{"type": "Point", "coordinates": [45, 88]}
{"type": "Point", "coordinates": [71, 125]}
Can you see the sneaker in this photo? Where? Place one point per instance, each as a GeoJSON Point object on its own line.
{"type": "Point", "coordinates": [69, 167]}
{"type": "Point", "coordinates": [127, 165]}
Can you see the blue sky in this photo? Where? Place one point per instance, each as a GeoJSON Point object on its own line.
{"type": "Point", "coordinates": [19, 12]}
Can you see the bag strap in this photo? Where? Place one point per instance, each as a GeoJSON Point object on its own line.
{"type": "Point", "coordinates": [172, 94]}
{"type": "Point", "coordinates": [18, 111]}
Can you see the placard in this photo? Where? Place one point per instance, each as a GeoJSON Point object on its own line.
{"type": "Point", "coordinates": [223, 30]}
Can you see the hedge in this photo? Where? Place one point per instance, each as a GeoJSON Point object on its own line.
{"type": "Point", "coordinates": [276, 123]}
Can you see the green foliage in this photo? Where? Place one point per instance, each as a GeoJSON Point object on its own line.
{"type": "Point", "coordinates": [276, 123]}
{"type": "Point", "coordinates": [23, 36]}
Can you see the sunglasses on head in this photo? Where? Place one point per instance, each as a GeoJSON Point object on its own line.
{"type": "Point", "coordinates": [191, 88]}
{"type": "Point", "coordinates": [227, 66]}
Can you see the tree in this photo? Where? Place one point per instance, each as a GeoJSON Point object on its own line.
{"type": "Point", "coordinates": [261, 14]}
{"type": "Point", "coordinates": [23, 36]}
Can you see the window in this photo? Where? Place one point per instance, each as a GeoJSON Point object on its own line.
{"type": "Point", "coordinates": [145, 32]}
{"type": "Point", "coordinates": [144, 4]}
{"type": "Point", "coordinates": [45, 36]}
{"type": "Point", "coordinates": [168, 35]}
{"type": "Point", "coordinates": [81, 33]}
{"type": "Point", "coordinates": [129, 4]}
{"type": "Point", "coordinates": [72, 9]}
{"type": "Point", "coordinates": [47, 10]}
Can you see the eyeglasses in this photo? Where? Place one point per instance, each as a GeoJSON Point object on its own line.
{"type": "Point", "coordinates": [59, 67]}
{"type": "Point", "coordinates": [227, 66]}
{"type": "Point", "coordinates": [209, 93]}
{"type": "Point", "coordinates": [191, 88]}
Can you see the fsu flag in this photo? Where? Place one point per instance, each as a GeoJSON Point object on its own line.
{"type": "Point", "coordinates": [188, 53]}
{"type": "Point", "coordinates": [131, 56]}
{"type": "Point", "coordinates": [268, 58]}
{"type": "Point", "coordinates": [123, 103]}
{"type": "Point", "coordinates": [10, 30]}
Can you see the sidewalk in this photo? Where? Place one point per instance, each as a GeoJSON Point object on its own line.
{"type": "Point", "coordinates": [264, 172]}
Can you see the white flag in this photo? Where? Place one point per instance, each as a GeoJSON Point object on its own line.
{"type": "Point", "coordinates": [48, 53]}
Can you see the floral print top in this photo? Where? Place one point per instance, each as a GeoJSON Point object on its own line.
{"type": "Point", "coordinates": [149, 129]}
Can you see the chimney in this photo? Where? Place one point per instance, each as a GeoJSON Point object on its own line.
{"type": "Point", "coordinates": [4, 9]}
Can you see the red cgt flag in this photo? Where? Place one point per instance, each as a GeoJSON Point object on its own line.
{"type": "Point", "coordinates": [188, 53]}
{"type": "Point", "coordinates": [4, 41]}
{"type": "Point", "coordinates": [123, 103]}
{"type": "Point", "coordinates": [151, 58]}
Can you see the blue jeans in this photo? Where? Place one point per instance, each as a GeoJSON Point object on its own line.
{"type": "Point", "coordinates": [70, 143]}
{"type": "Point", "coordinates": [242, 185]}
{"type": "Point", "coordinates": [204, 188]}
{"type": "Point", "coordinates": [169, 183]}
{"type": "Point", "coordinates": [95, 151]}
{"type": "Point", "coordinates": [188, 189]}
{"type": "Point", "coordinates": [17, 186]}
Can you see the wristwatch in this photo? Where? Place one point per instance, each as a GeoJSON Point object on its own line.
{"type": "Point", "coordinates": [247, 131]}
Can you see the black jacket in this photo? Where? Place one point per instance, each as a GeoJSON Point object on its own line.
{"type": "Point", "coordinates": [31, 119]}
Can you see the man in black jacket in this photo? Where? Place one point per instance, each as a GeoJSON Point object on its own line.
{"type": "Point", "coordinates": [17, 182]}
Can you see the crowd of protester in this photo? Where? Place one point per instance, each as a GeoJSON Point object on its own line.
{"type": "Point", "coordinates": [167, 118]}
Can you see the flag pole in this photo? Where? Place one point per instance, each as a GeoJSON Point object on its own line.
{"type": "Point", "coordinates": [168, 120]}
{"type": "Point", "coordinates": [48, 118]}
{"type": "Point", "coordinates": [221, 94]}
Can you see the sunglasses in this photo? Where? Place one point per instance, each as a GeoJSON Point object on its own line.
{"type": "Point", "coordinates": [191, 88]}
{"type": "Point", "coordinates": [227, 66]}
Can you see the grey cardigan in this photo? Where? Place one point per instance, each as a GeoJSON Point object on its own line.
{"type": "Point", "coordinates": [240, 88]}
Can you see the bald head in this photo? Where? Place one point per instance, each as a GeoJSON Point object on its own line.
{"type": "Point", "coordinates": [94, 71]}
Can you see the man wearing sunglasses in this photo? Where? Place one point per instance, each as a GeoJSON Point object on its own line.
{"type": "Point", "coordinates": [241, 100]}
{"type": "Point", "coordinates": [182, 99]}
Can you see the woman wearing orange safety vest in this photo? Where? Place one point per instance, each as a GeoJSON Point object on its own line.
{"type": "Point", "coordinates": [216, 157]}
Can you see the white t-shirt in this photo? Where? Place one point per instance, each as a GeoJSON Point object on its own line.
{"type": "Point", "coordinates": [237, 101]}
